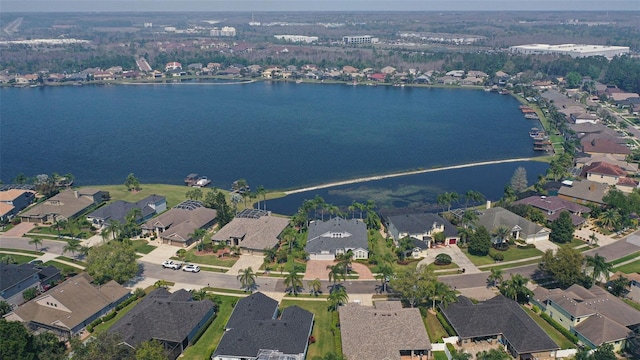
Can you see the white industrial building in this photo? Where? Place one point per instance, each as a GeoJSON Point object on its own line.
{"type": "Point", "coordinates": [573, 50]}
{"type": "Point", "coordinates": [297, 38]}
{"type": "Point", "coordinates": [361, 39]}
{"type": "Point", "coordinates": [225, 31]}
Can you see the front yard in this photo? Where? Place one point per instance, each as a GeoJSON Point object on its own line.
{"type": "Point", "coordinates": [207, 259]}
{"type": "Point", "coordinates": [513, 254]}
{"type": "Point", "coordinates": [142, 246]}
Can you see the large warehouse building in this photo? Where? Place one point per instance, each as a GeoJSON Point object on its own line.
{"type": "Point", "coordinates": [573, 50]}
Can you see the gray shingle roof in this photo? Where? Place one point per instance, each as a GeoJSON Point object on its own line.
{"type": "Point", "coordinates": [389, 329]}
{"type": "Point", "coordinates": [163, 316]}
{"type": "Point", "coordinates": [252, 327]}
{"type": "Point", "coordinates": [421, 223]}
{"type": "Point", "coordinates": [11, 274]}
{"type": "Point", "coordinates": [585, 190]}
{"type": "Point", "coordinates": [352, 235]}
{"type": "Point", "coordinates": [495, 217]}
{"type": "Point", "coordinates": [498, 315]}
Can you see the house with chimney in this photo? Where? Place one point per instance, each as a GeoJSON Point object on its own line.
{"type": "Point", "coordinates": [65, 205]}
{"type": "Point", "coordinates": [609, 174]}
{"type": "Point", "coordinates": [584, 192]}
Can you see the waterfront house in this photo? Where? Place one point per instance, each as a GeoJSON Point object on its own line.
{"type": "Point", "coordinates": [68, 308]}
{"type": "Point", "coordinates": [12, 201]}
{"type": "Point", "coordinates": [552, 206]}
{"type": "Point", "coordinates": [326, 239]}
{"type": "Point", "coordinates": [388, 70]}
{"type": "Point", "coordinates": [520, 228]}
{"type": "Point", "coordinates": [392, 332]}
{"type": "Point", "coordinates": [421, 226]}
{"type": "Point", "coordinates": [118, 210]}
{"type": "Point", "coordinates": [499, 320]}
{"type": "Point", "coordinates": [610, 174]}
{"type": "Point", "coordinates": [175, 320]}
{"type": "Point", "coordinates": [584, 192]}
{"type": "Point", "coordinates": [176, 225]}
{"type": "Point", "coordinates": [255, 330]}
{"type": "Point", "coordinates": [173, 65]}
{"type": "Point", "coordinates": [629, 168]}
{"type": "Point", "coordinates": [15, 279]}
{"type": "Point", "coordinates": [65, 205]}
{"type": "Point", "coordinates": [594, 315]}
{"type": "Point", "coordinates": [600, 146]}
{"type": "Point", "coordinates": [252, 230]}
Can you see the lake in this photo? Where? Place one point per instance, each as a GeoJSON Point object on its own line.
{"type": "Point", "coordinates": [280, 135]}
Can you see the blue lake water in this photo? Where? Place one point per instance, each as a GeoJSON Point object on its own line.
{"type": "Point", "coordinates": [280, 135]}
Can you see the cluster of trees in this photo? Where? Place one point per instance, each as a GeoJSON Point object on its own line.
{"type": "Point", "coordinates": [420, 285]}
{"type": "Point", "coordinates": [617, 215]}
{"type": "Point", "coordinates": [109, 346]}
{"type": "Point", "coordinates": [132, 183]}
{"type": "Point", "coordinates": [115, 260]}
{"type": "Point", "coordinates": [568, 266]}
{"type": "Point", "coordinates": [47, 185]}
{"type": "Point", "coordinates": [18, 344]}
{"type": "Point", "coordinates": [317, 208]}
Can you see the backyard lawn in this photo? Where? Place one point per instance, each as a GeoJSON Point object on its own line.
{"type": "Point", "coordinates": [434, 328]}
{"type": "Point", "coordinates": [555, 335]}
{"type": "Point", "coordinates": [514, 253]}
{"type": "Point", "coordinates": [107, 324]}
{"type": "Point", "coordinates": [321, 329]}
{"type": "Point", "coordinates": [206, 345]}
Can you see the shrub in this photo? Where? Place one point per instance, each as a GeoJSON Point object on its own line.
{"type": "Point", "coordinates": [445, 324]}
{"type": "Point", "coordinates": [443, 259]}
{"type": "Point", "coordinates": [535, 309]}
{"type": "Point", "coordinates": [423, 311]}
{"type": "Point", "coordinates": [452, 349]}
{"type": "Point", "coordinates": [30, 293]}
{"type": "Point", "coordinates": [560, 328]}
{"type": "Point", "coordinates": [110, 316]}
{"type": "Point", "coordinates": [496, 255]}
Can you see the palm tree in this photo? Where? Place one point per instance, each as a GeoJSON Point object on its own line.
{"type": "Point", "coordinates": [501, 232]}
{"type": "Point", "coordinates": [7, 259]}
{"type": "Point", "coordinates": [84, 250]}
{"type": "Point", "coordinates": [270, 254]}
{"type": "Point", "coordinates": [59, 224]}
{"type": "Point", "coordinates": [198, 235]}
{"type": "Point", "coordinates": [472, 196]}
{"type": "Point", "coordinates": [593, 239]}
{"type": "Point", "coordinates": [335, 274]}
{"type": "Point", "coordinates": [469, 217]}
{"type": "Point", "coordinates": [610, 219]}
{"type": "Point", "coordinates": [161, 284]}
{"type": "Point", "coordinates": [72, 246]}
{"type": "Point", "coordinates": [235, 200]}
{"type": "Point", "coordinates": [199, 294]}
{"type": "Point", "coordinates": [134, 215]}
{"type": "Point", "coordinates": [293, 282]}
{"type": "Point", "coordinates": [344, 261]}
{"type": "Point", "coordinates": [600, 266]}
{"type": "Point", "coordinates": [114, 227]}
{"type": "Point", "coordinates": [36, 241]}
{"type": "Point", "coordinates": [337, 298]}
{"type": "Point", "coordinates": [104, 234]}
{"type": "Point", "coordinates": [315, 285]}
{"type": "Point", "coordinates": [247, 279]}
{"type": "Point", "coordinates": [495, 277]}
{"type": "Point", "coordinates": [515, 288]}
{"type": "Point", "coordinates": [385, 272]}
{"type": "Point", "coordinates": [262, 192]}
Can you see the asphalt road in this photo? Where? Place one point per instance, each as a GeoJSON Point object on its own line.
{"type": "Point", "coordinates": [51, 246]}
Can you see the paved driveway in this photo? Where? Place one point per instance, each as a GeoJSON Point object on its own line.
{"type": "Point", "coordinates": [317, 269]}
{"type": "Point", "coordinates": [19, 229]}
{"type": "Point", "coordinates": [457, 256]}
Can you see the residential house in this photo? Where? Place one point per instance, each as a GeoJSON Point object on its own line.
{"type": "Point", "coordinates": [12, 201]}
{"type": "Point", "coordinates": [601, 146]}
{"type": "Point", "coordinates": [349, 69]}
{"type": "Point", "coordinates": [15, 279]}
{"type": "Point", "coordinates": [594, 315]}
{"type": "Point", "coordinates": [176, 225]}
{"type": "Point", "coordinates": [519, 227]}
{"type": "Point", "coordinates": [380, 77]}
{"type": "Point", "coordinates": [118, 210]}
{"type": "Point", "coordinates": [392, 332]}
{"type": "Point", "coordinates": [610, 174]}
{"type": "Point", "coordinates": [448, 80]}
{"type": "Point", "coordinates": [388, 70]}
{"type": "Point", "coordinates": [326, 239]}
{"type": "Point", "coordinates": [173, 65]}
{"type": "Point", "coordinates": [252, 230]}
{"type": "Point", "coordinates": [65, 205]}
{"type": "Point", "coordinates": [455, 73]}
{"type": "Point", "coordinates": [634, 284]}
{"type": "Point", "coordinates": [623, 96]}
{"type": "Point", "coordinates": [584, 192]}
{"type": "Point", "coordinates": [254, 331]}
{"type": "Point", "coordinates": [68, 308]}
{"type": "Point", "coordinates": [500, 320]}
{"type": "Point", "coordinates": [175, 320]}
{"type": "Point", "coordinates": [423, 79]}
{"type": "Point", "coordinates": [421, 226]}
{"type": "Point", "coordinates": [552, 206]}
{"type": "Point", "coordinates": [629, 168]}
{"type": "Point", "coordinates": [582, 117]}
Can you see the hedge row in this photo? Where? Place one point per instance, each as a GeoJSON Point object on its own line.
{"type": "Point", "coordinates": [560, 328]}
{"type": "Point", "coordinates": [113, 314]}
{"type": "Point", "coordinates": [445, 324]}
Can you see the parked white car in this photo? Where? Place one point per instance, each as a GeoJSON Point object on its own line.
{"type": "Point", "coordinates": [191, 268]}
{"type": "Point", "coordinates": [170, 264]}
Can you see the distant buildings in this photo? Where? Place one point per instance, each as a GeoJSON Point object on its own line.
{"type": "Point", "coordinates": [174, 65]}
{"type": "Point", "coordinates": [573, 50]}
{"type": "Point", "coordinates": [297, 38]}
{"type": "Point", "coordinates": [225, 31]}
{"type": "Point", "coordinates": [360, 39]}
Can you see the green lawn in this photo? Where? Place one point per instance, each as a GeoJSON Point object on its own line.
{"type": "Point", "coordinates": [23, 251]}
{"type": "Point", "coordinates": [207, 343]}
{"type": "Point", "coordinates": [555, 335]}
{"type": "Point", "coordinates": [72, 260]}
{"type": "Point", "coordinates": [208, 259]}
{"type": "Point", "coordinates": [62, 267]}
{"type": "Point", "coordinates": [321, 329]}
{"type": "Point", "coordinates": [514, 253]}
{"type": "Point", "coordinates": [509, 266]}
{"type": "Point", "coordinates": [142, 246]}
{"type": "Point", "coordinates": [629, 268]}
{"type": "Point", "coordinates": [434, 328]}
{"type": "Point", "coordinates": [50, 230]}
{"type": "Point", "coordinates": [19, 259]}
{"type": "Point", "coordinates": [108, 324]}
{"type": "Point", "coordinates": [439, 355]}
{"type": "Point", "coordinates": [632, 303]}
{"type": "Point", "coordinates": [625, 258]}
{"type": "Point", "coordinates": [575, 243]}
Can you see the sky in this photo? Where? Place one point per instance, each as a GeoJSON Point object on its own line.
{"type": "Point", "coordinates": [314, 5]}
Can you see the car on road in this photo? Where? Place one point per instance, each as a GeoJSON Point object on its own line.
{"type": "Point", "coordinates": [191, 268]}
{"type": "Point", "coordinates": [170, 264]}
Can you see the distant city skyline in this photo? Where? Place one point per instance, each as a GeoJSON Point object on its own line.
{"type": "Point", "coordinates": [314, 5]}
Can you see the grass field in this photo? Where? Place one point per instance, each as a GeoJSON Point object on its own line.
{"type": "Point", "coordinates": [434, 328]}
{"type": "Point", "coordinates": [206, 345]}
{"type": "Point", "coordinates": [629, 268]}
{"type": "Point", "coordinates": [555, 335]}
{"type": "Point", "coordinates": [23, 251]}
{"type": "Point", "coordinates": [321, 329]}
{"type": "Point", "coordinates": [514, 253]}
{"type": "Point", "coordinates": [625, 258]}
{"type": "Point", "coordinates": [208, 259]}
{"type": "Point", "coordinates": [142, 246]}
{"type": "Point", "coordinates": [62, 267]}
{"type": "Point", "coordinates": [19, 259]}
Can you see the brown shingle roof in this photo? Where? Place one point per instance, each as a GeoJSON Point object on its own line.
{"type": "Point", "coordinates": [604, 146]}
{"type": "Point", "coordinates": [256, 234]}
{"type": "Point", "coordinates": [381, 331]}
{"type": "Point", "coordinates": [585, 190]}
{"type": "Point", "coordinates": [66, 203]}
{"type": "Point", "coordinates": [603, 168]}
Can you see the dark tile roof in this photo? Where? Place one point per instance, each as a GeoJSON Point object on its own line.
{"type": "Point", "coordinates": [252, 327]}
{"type": "Point", "coordinates": [118, 210]}
{"type": "Point", "coordinates": [163, 316]}
{"type": "Point", "coordinates": [11, 274]}
{"type": "Point", "coordinates": [498, 315]}
{"type": "Point", "coordinates": [421, 223]}
{"type": "Point", "coordinates": [45, 273]}
{"type": "Point", "coordinates": [354, 236]}
{"type": "Point", "coordinates": [553, 204]}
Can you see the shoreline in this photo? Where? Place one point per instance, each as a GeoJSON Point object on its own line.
{"type": "Point", "coordinates": [404, 173]}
